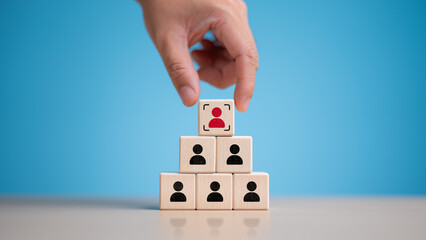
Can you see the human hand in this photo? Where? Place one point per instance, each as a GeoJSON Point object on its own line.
{"type": "Point", "coordinates": [177, 25]}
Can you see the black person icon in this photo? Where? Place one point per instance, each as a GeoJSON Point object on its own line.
{"type": "Point", "coordinates": [197, 159]}
{"type": "Point", "coordinates": [214, 196]}
{"type": "Point", "coordinates": [234, 159]}
{"type": "Point", "coordinates": [178, 196]}
{"type": "Point", "coordinates": [251, 196]}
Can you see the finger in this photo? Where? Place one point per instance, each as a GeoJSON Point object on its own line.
{"type": "Point", "coordinates": [217, 77]}
{"type": "Point", "coordinates": [217, 57]}
{"type": "Point", "coordinates": [211, 47]}
{"type": "Point", "coordinates": [207, 44]}
{"type": "Point", "coordinates": [202, 57]}
{"type": "Point", "coordinates": [215, 68]}
{"type": "Point", "coordinates": [175, 54]}
{"type": "Point", "coordinates": [238, 41]}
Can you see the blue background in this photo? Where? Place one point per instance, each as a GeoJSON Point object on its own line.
{"type": "Point", "coordinates": [339, 108]}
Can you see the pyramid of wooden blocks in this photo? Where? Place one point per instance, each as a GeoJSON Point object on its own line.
{"type": "Point", "coordinates": [215, 168]}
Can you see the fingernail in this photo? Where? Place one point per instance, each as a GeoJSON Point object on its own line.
{"type": "Point", "coordinates": [187, 94]}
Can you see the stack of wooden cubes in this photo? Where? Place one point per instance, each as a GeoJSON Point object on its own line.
{"type": "Point", "coordinates": [215, 168]}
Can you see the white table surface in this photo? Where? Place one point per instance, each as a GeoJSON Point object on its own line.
{"type": "Point", "coordinates": [288, 218]}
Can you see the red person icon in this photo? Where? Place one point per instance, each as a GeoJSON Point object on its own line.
{"type": "Point", "coordinates": [216, 122]}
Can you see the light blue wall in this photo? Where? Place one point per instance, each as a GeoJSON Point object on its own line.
{"type": "Point", "coordinates": [88, 109]}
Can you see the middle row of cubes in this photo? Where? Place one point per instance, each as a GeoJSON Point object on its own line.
{"type": "Point", "coordinates": [215, 154]}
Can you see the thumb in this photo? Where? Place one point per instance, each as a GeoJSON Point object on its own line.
{"type": "Point", "coordinates": [175, 54]}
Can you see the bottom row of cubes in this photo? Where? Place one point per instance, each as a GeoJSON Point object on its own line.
{"type": "Point", "coordinates": [214, 191]}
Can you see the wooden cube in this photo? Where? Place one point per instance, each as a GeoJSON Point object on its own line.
{"type": "Point", "coordinates": [197, 154]}
{"type": "Point", "coordinates": [251, 191]}
{"type": "Point", "coordinates": [216, 117]}
{"type": "Point", "coordinates": [234, 155]}
{"type": "Point", "coordinates": [214, 191]}
{"type": "Point", "coordinates": [177, 191]}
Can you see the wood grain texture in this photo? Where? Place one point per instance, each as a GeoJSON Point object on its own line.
{"type": "Point", "coordinates": [244, 191]}
{"type": "Point", "coordinates": [206, 191]}
{"type": "Point", "coordinates": [206, 116]}
{"type": "Point", "coordinates": [198, 159]}
{"type": "Point", "coordinates": [227, 154]}
{"type": "Point", "coordinates": [167, 181]}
